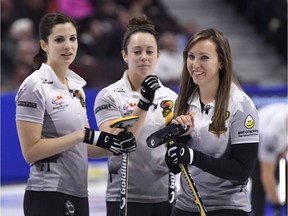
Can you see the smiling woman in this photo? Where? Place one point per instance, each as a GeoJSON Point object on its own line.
{"type": "Point", "coordinates": [222, 147]}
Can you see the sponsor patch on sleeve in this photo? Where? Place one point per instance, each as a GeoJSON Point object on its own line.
{"type": "Point", "coordinates": [249, 122]}
{"type": "Point", "coordinates": [102, 107]}
{"type": "Point", "coordinates": [27, 104]}
{"type": "Point", "coordinates": [249, 125]}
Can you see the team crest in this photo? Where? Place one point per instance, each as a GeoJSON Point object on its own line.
{"type": "Point", "coordinates": [212, 129]}
{"type": "Point", "coordinates": [167, 106]}
{"type": "Point", "coordinates": [79, 95]}
{"type": "Point", "coordinates": [223, 130]}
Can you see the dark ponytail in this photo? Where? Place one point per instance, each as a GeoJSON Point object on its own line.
{"type": "Point", "coordinates": [39, 58]}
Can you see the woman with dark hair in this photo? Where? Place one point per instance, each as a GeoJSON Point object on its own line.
{"type": "Point", "coordinates": [140, 93]}
{"type": "Point", "coordinates": [222, 149]}
{"type": "Point", "coordinates": [53, 127]}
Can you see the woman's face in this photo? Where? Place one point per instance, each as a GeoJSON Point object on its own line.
{"type": "Point", "coordinates": [203, 63]}
{"type": "Point", "coordinates": [142, 54]}
{"type": "Point", "coordinates": [62, 45]}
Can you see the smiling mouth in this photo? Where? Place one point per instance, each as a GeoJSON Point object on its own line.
{"type": "Point", "coordinates": [197, 73]}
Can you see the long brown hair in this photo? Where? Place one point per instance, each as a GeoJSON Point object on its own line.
{"type": "Point", "coordinates": [226, 76]}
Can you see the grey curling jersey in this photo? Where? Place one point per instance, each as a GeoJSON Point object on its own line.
{"type": "Point", "coordinates": [42, 99]}
{"type": "Point", "coordinates": [241, 128]}
{"type": "Point", "coordinates": [148, 174]}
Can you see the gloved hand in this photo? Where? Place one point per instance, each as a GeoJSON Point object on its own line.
{"type": "Point", "coordinates": [118, 144]}
{"type": "Point", "coordinates": [178, 153]}
{"type": "Point", "coordinates": [148, 87]}
{"type": "Point", "coordinates": [174, 168]}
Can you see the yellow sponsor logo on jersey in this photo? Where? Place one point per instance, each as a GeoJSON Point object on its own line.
{"type": "Point", "coordinates": [249, 122]}
{"type": "Point", "coordinates": [79, 95]}
{"type": "Point", "coordinates": [227, 115]}
{"type": "Point", "coordinates": [211, 128]}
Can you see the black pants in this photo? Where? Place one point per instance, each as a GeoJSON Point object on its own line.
{"type": "Point", "coordinates": [224, 212]}
{"type": "Point", "coordinates": [54, 204]}
{"type": "Point", "coordinates": [139, 209]}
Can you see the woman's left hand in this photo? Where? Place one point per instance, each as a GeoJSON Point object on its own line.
{"type": "Point", "coordinates": [185, 121]}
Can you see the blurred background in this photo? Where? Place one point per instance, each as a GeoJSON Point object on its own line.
{"type": "Point", "coordinates": [256, 30]}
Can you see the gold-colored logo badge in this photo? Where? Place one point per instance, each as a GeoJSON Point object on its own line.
{"type": "Point", "coordinates": [249, 122]}
{"type": "Point", "coordinates": [167, 106]}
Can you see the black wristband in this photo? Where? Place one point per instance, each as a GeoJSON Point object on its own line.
{"type": "Point", "coordinates": [89, 136]}
{"type": "Point", "coordinates": [104, 140]}
{"type": "Point", "coordinates": [143, 105]}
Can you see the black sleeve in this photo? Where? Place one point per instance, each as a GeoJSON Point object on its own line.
{"type": "Point", "coordinates": [238, 165]}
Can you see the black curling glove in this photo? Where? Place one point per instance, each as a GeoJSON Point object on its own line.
{"type": "Point", "coordinates": [148, 87]}
{"type": "Point", "coordinates": [176, 154]}
{"type": "Point", "coordinates": [121, 143]}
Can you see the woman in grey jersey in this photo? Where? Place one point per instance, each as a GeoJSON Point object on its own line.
{"type": "Point", "coordinates": [223, 120]}
{"type": "Point", "coordinates": [51, 117]}
{"type": "Point", "coordinates": [140, 93]}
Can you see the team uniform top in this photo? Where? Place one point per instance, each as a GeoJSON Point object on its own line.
{"type": "Point", "coordinates": [43, 99]}
{"type": "Point", "coordinates": [241, 128]}
{"type": "Point", "coordinates": [148, 172]}
{"type": "Point", "coordinates": [273, 120]}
